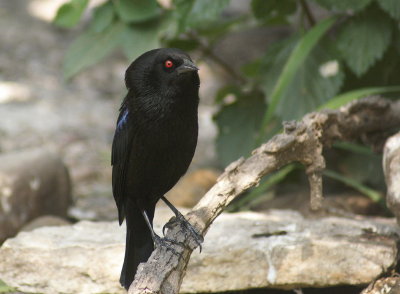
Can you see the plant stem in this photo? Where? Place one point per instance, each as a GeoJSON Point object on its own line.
{"type": "Point", "coordinates": [307, 11]}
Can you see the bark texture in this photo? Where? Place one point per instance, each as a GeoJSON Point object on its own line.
{"type": "Point", "coordinates": [369, 120]}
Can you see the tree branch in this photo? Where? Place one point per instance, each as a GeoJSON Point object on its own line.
{"type": "Point", "coordinates": [303, 141]}
{"type": "Point", "coordinates": [307, 12]}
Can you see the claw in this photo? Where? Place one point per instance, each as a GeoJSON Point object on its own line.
{"type": "Point", "coordinates": [198, 238]}
{"type": "Point", "coordinates": [183, 222]}
{"type": "Point", "coordinates": [168, 225]}
{"type": "Point", "coordinates": [165, 242]}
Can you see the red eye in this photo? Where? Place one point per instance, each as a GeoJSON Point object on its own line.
{"type": "Point", "coordinates": [169, 64]}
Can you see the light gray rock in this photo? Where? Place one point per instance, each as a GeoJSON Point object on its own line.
{"type": "Point", "coordinates": [33, 182]}
{"type": "Point", "coordinates": [278, 249]}
{"type": "Point", "coordinates": [391, 169]}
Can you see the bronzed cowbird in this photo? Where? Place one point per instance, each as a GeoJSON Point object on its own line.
{"type": "Point", "coordinates": [154, 142]}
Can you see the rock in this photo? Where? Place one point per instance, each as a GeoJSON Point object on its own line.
{"type": "Point", "coordinates": [32, 183]}
{"type": "Point", "coordinates": [45, 221]}
{"type": "Point", "coordinates": [192, 187]}
{"type": "Point", "coordinates": [279, 249]}
{"type": "Point", "coordinates": [389, 285]}
{"type": "Point", "coordinates": [391, 169]}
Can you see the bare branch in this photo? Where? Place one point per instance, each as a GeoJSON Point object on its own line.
{"type": "Point", "coordinates": [366, 120]}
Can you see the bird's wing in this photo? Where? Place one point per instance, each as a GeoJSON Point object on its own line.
{"type": "Point", "coordinates": [121, 149]}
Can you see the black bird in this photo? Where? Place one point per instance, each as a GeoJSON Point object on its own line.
{"type": "Point", "coordinates": [154, 143]}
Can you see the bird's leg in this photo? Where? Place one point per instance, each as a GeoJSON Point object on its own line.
{"type": "Point", "coordinates": [158, 241]}
{"type": "Point", "coordinates": [183, 222]}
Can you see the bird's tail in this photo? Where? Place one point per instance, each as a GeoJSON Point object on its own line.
{"type": "Point", "coordinates": [139, 243]}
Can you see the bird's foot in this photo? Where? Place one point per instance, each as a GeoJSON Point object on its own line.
{"type": "Point", "coordinates": [186, 226]}
{"type": "Point", "coordinates": [166, 243]}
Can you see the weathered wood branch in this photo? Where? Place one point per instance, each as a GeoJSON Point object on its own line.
{"type": "Point", "coordinates": [367, 120]}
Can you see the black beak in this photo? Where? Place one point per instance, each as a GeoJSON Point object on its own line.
{"type": "Point", "coordinates": [186, 66]}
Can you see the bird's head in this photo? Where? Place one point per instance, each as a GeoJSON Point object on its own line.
{"type": "Point", "coordinates": [165, 70]}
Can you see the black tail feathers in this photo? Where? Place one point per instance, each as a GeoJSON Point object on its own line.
{"type": "Point", "coordinates": [139, 244]}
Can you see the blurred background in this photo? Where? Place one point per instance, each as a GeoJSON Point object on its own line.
{"type": "Point", "coordinates": [262, 62]}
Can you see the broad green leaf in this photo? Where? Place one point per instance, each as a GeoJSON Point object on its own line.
{"type": "Point", "coordinates": [102, 17]}
{"type": "Point", "coordinates": [214, 29]}
{"type": "Point", "coordinates": [197, 13]}
{"type": "Point", "coordinates": [136, 10]}
{"type": "Point", "coordinates": [238, 125]}
{"type": "Point", "coordinates": [182, 10]}
{"type": "Point", "coordinates": [140, 38]}
{"type": "Point", "coordinates": [275, 11]}
{"type": "Point", "coordinates": [291, 67]}
{"type": "Point", "coordinates": [343, 5]}
{"type": "Point", "coordinates": [204, 11]}
{"type": "Point", "coordinates": [69, 14]}
{"type": "Point", "coordinates": [90, 47]}
{"type": "Point", "coordinates": [317, 80]}
{"type": "Point", "coordinates": [391, 6]}
{"type": "Point", "coordinates": [364, 39]}
{"type": "Point", "coordinates": [345, 98]}
{"type": "Point", "coordinates": [225, 91]}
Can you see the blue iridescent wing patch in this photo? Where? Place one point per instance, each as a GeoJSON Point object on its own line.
{"type": "Point", "coordinates": [123, 119]}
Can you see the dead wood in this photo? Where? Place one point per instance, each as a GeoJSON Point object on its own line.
{"type": "Point", "coordinates": [368, 120]}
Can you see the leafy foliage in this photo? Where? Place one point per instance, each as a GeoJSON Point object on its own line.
{"type": "Point", "coordinates": [273, 11]}
{"type": "Point", "coordinates": [90, 47]}
{"type": "Point", "coordinates": [322, 63]}
{"type": "Point", "coordinates": [290, 77]}
{"type": "Point", "coordinates": [364, 39]}
{"type": "Point", "coordinates": [69, 14]}
{"type": "Point", "coordinates": [344, 5]}
{"type": "Point", "coordinates": [392, 7]}
{"type": "Point", "coordinates": [136, 11]}
{"type": "Point", "coordinates": [103, 17]}
{"type": "Point", "coordinates": [241, 116]}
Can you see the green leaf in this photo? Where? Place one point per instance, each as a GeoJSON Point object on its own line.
{"type": "Point", "coordinates": [371, 193]}
{"type": "Point", "coordinates": [271, 180]}
{"type": "Point", "coordinates": [140, 38]}
{"type": "Point", "coordinates": [364, 39]}
{"type": "Point", "coordinates": [345, 98]}
{"type": "Point", "coordinates": [291, 67]}
{"type": "Point", "coordinates": [90, 47]}
{"type": "Point", "coordinates": [136, 10]}
{"type": "Point", "coordinates": [184, 44]}
{"type": "Point", "coordinates": [197, 13]}
{"type": "Point", "coordinates": [204, 11]}
{"type": "Point", "coordinates": [69, 14]}
{"type": "Point", "coordinates": [343, 5]}
{"type": "Point", "coordinates": [214, 29]}
{"type": "Point", "coordinates": [238, 125]}
{"type": "Point", "coordinates": [353, 147]}
{"type": "Point", "coordinates": [4, 288]}
{"type": "Point", "coordinates": [275, 11]}
{"type": "Point", "coordinates": [225, 91]}
{"type": "Point", "coordinates": [182, 10]}
{"type": "Point", "coordinates": [316, 81]}
{"type": "Point", "coordinates": [392, 7]}
{"type": "Point", "coordinates": [103, 16]}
